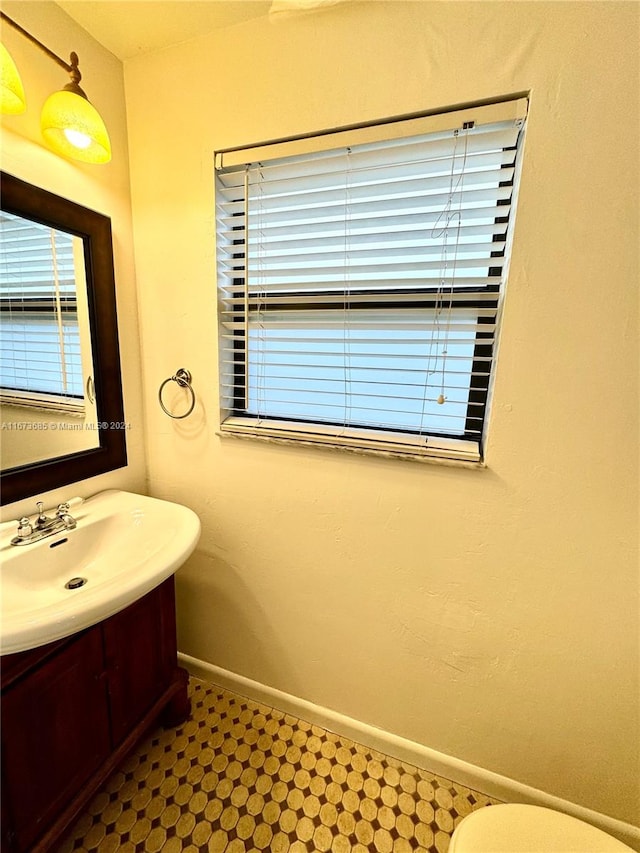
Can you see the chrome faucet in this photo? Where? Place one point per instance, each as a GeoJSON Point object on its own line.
{"type": "Point", "coordinates": [43, 525]}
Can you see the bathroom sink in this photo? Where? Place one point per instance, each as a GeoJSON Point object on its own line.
{"type": "Point", "coordinates": [123, 546]}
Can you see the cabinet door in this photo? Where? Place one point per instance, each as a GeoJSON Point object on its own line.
{"type": "Point", "coordinates": [55, 734]}
{"type": "Point", "coordinates": [141, 654]}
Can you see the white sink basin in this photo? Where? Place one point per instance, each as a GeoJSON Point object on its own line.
{"type": "Point", "coordinates": [124, 545]}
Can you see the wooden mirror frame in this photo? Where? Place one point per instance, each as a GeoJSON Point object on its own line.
{"type": "Point", "coordinates": [23, 199]}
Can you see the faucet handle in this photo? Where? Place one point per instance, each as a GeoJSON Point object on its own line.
{"type": "Point", "coordinates": [24, 528]}
{"type": "Point", "coordinates": [63, 508]}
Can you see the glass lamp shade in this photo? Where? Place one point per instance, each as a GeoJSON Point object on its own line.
{"type": "Point", "coordinates": [12, 99]}
{"type": "Point", "coordinates": [73, 127]}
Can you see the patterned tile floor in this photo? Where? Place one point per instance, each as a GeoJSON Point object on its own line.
{"type": "Point", "coordinates": [239, 776]}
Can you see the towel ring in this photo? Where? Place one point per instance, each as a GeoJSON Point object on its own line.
{"type": "Point", "coordinates": [183, 378]}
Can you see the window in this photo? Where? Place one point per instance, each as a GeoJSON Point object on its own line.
{"type": "Point", "coordinates": [360, 284]}
{"type": "Point", "coordinates": [40, 358]}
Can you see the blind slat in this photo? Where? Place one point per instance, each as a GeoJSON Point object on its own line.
{"type": "Point", "coordinates": [430, 249]}
{"type": "Point", "coordinates": [265, 275]}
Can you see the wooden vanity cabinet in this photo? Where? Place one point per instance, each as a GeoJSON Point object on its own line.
{"type": "Point", "coordinates": [72, 710]}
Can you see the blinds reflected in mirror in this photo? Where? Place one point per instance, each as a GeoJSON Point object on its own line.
{"type": "Point", "coordinates": [359, 288]}
{"type": "Point", "coordinates": [40, 351]}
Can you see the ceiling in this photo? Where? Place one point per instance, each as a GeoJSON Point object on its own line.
{"type": "Point", "coordinates": [128, 28]}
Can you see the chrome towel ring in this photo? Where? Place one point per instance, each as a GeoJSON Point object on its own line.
{"type": "Point", "coordinates": [183, 378]}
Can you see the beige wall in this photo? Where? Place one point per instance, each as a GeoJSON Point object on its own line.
{"type": "Point", "coordinates": [492, 615]}
{"type": "Point", "coordinates": [103, 188]}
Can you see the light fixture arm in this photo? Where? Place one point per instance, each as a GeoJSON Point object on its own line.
{"type": "Point", "coordinates": [71, 68]}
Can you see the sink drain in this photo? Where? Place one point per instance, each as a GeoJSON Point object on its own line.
{"type": "Point", "coordinates": [74, 583]}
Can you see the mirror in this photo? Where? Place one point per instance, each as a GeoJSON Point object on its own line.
{"type": "Point", "coordinates": [61, 409]}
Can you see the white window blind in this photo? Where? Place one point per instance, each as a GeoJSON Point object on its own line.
{"type": "Point", "coordinates": [360, 287]}
{"type": "Point", "coordinates": [40, 358]}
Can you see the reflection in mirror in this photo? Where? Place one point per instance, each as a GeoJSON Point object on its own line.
{"type": "Point", "coordinates": [45, 344]}
{"type": "Point", "coordinates": [61, 406]}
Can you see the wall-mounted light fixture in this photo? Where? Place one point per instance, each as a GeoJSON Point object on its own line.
{"type": "Point", "coordinates": [70, 124]}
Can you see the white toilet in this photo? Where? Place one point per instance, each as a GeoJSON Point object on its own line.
{"type": "Point", "coordinates": [514, 828]}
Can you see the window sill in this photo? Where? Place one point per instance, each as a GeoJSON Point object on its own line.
{"type": "Point", "coordinates": [42, 403]}
{"type": "Point", "coordinates": [455, 453]}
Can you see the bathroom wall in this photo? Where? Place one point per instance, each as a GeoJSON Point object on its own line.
{"type": "Point", "coordinates": [103, 188]}
{"type": "Point", "coordinates": [489, 614]}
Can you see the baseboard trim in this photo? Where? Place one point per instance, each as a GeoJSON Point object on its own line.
{"type": "Point", "coordinates": [493, 784]}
